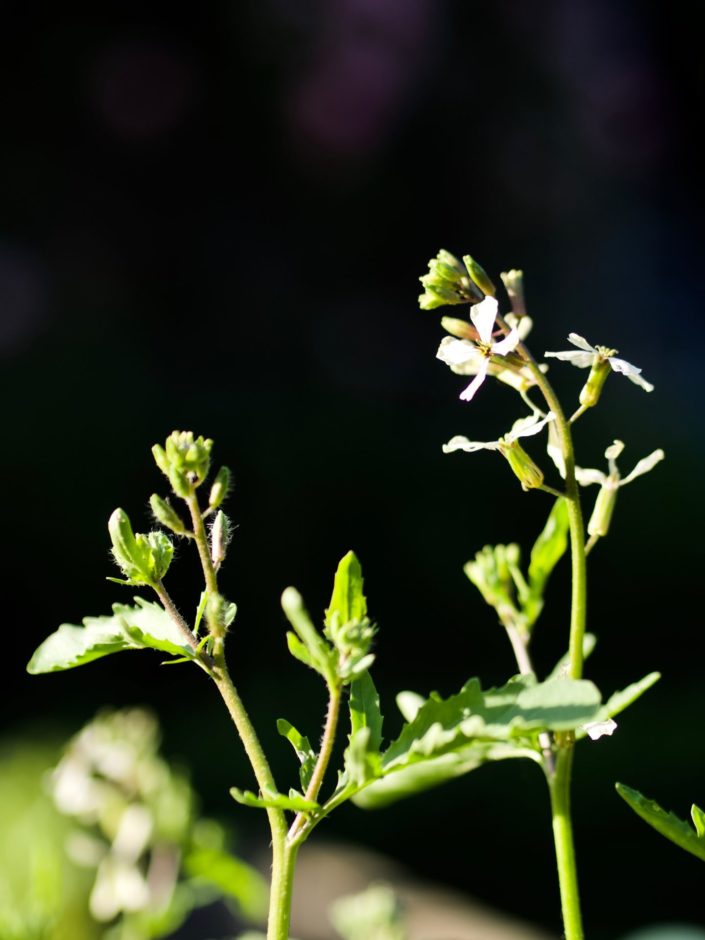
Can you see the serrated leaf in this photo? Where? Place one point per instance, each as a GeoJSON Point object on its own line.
{"type": "Point", "coordinates": [698, 817]}
{"type": "Point", "coordinates": [623, 699]}
{"type": "Point", "coordinates": [298, 650]}
{"type": "Point", "coordinates": [668, 824]}
{"type": "Point", "coordinates": [303, 749]}
{"type": "Point", "coordinates": [424, 774]}
{"type": "Point", "coordinates": [233, 878]}
{"type": "Point", "coordinates": [365, 711]}
{"type": "Point", "coordinates": [347, 600]}
{"type": "Point", "coordinates": [548, 550]}
{"type": "Point", "coordinates": [145, 625]}
{"type": "Point", "coordinates": [270, 798]}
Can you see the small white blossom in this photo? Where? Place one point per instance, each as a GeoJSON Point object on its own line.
{"type": "Point", "coordinates": [613, 480]}
{"type": "Point", "coordinates": [524, 427]}
{"type": "Point", "coordinates": [589, 355]}
{"type": "Point", "coordinates": [473, 357]}
{"type": "Point", "coordinates": [596, 729]}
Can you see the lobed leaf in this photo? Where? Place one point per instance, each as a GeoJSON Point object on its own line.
{"type": "Point", "coordinates": [295, 801]}
{"type": "Point", "coordinates": [146, 625]}
{"type": "Point", "coordinates": [303, 749]}
{"type": "Point", "coordinates": [623, 699]}
{"type": "Point", "coordinates": [668, 824]}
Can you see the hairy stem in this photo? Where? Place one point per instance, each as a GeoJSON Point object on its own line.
{"type": "Point", "coordinates": [323, 757]}
{"type": "Point", "coordinates": [170, 607]}
{"type": "Point", "coordinates": [559, 786]}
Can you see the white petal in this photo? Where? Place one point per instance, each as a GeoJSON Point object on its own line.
{"type": "Point", "coordinates": [585, 476]}
{"type": "Point", "coordinates": [456, 351]}
{"type": "Point", "coordinates": [462, 443]}
{"type": "Point", "coordinates": [469, 393]}
{"type": "Point", "coordinates": [596, 729]}
{"type": "Point", "coordinates": [507, 344]}
{"type": "Point", "coordinates": [648, 463]}
{"type": "Point", "coordinates": [554, 449]}
{"type": "Point", "coordinates": [483, 315]}
{"type": "Point", "coordinates": [581, 343]}
{"type": "Point", "coordinates": [527, 427]}
{"type": "Point", "coordinates": [523, 325]}
{"type": "Point", "coordinates": [631, 372]}
{"type": "Point", "coordinates": [614, 450]}
{"type": "Point", "coordinates": [582, 360]}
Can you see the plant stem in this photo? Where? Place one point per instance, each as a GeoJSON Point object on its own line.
{"type": "Point", "coordinates": [283, 856]}
{"type": "Point", "coordinates": [170, 607]}
{"type": "Point", "coordinates": [323, 757]}
{"type": "Point", "coordinates": [559, 787]}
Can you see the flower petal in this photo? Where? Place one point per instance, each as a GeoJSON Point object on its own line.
{"type": "Point", "coordinates": [469, 393]}
{"type": "Point", "coordinates": [586, 476]}
{"type": "Point", "coordinates": [506, 345]}
{"type": "Point", "coordinates": [582, 360]}
{"type": "Point", "coordinates": [523, 324]}
{"type": "Point", "coordinates": [456, 352]}
{"type": "Point", "coordinates": [596, 729]}
{"type": "Point", "coordinates": [527, 427]}
{"type": "Point", "coordinates": [462, 443]}
{"type": "Point", "coordinates": [580, 342]}
{"type": "Point", "coordinates": [631, 372]}
{"type": "Point", "coordinates": [648, 463]}
{"type": "Point", "coordinates": [483, 316]}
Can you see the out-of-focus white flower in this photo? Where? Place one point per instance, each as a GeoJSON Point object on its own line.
{"type": "Point", "coordinates": [521, 463]}
{"type": "Point", "coordinates": [597, 729]}
{"type": "Point", "coordinates": [473, 357]}
{"type": "Point", "coordinates": [609, 484]}
{"type": "Point", "coordinates": [600, 360]}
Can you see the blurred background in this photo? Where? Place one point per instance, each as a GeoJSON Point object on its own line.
{"type": "Point", "coordinates": [214, 218]}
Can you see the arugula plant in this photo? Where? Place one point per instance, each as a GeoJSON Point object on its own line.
{"type": "Point", "coordinates": [441, 738]}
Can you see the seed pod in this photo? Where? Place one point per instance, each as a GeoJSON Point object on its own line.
{"type": "Point", "coordinates": [529, 474]}
{"type": "Point", "coordinates": [591, 391]}
{"type": "Point", "coordinates": [601, 517]}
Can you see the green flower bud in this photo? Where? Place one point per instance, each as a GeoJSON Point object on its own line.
{"type": "Point", "coordinates": [165, 513]}
{"type": "Point", "coordinates": [220, 488]}
{"type": "Point", "coordinates": [591, 391]}
{"type": "Point", "coordinates": [142, 559]}
{"type": "Point", "coordinates": [447, 282]}
{"type": "Point", "coordinates": [220, 537]}
{"type": "Point", "coordinates": [601, 517]}
{"type": "Point", "coordinates": [479, 276]}
{"type": "Point", "coordinates": [530, 476]}
{"type": "Point", "coordinates": [459, 328]}
{"type": "Point", "coordinates": [184, 460]}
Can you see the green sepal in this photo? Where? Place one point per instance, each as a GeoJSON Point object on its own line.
{"type": "Point", "coordinates": [302, 748]}
{"type": "Point", "coordinates": [271, 799]}
{"type": "Point", "coordinates": [145, 626]}
{"type": "Point", "coordinates": [621, 700]}
{"type": "Point", "coordinates": [668, 824]}
{"type": "Point", "coordinates": [346, 623]}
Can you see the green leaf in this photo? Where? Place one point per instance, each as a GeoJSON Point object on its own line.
{"type": "Point", "coordinates": [621, 700]}
{"type": "Point", "coordinates": [347, 601]}
{"type": "Point", "coordinates": [698, 817]}
{"type": "Point", "coordinates": [668, 824]}
{"type": "Point", "coordinates": [303, 749]}
{"type": "Point", "coordinates": [232, 877]}
{"type": "Point", "coordinates": [562, 667]}
{"type": "Point", "coordinates": [270, 798]}
{"type": "Point", "coordinates": [145, 625]}
{"type": "Point", "coordinates": [313, 648]}
{"type": "Point", "coordinates": [365, 711]}
{"type": "Point", "coordinates": [548, 549]}
{"type": "Point", "coordinates": [450, 737]}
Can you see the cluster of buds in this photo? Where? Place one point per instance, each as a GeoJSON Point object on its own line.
{"type": "Point", "coordinates": [450, 281]}
{"type": "Point", "coordinates": [143, 559]}
{"type": "Point", "coordinates": [495, 573]}
{"type": "Point", "coordinates": [184, 461]}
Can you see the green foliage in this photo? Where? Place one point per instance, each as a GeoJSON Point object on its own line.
{"type": "Point", "coordinates": [668, 824]}
{"type": "Point", "coordinates": [144, 626]}
{"type": "Point", "coordinates": [143, 559]}
{"type": "Point", "coordinates": [621, 700]}
{"type": "Point", "coordinates": [548, 550]}
{"type": "Point", "coordinates": [232, 877]}
{"type": "Point", "coordinates": [302, 748]}
{"type": "Point", "coordinates": [295, 801]}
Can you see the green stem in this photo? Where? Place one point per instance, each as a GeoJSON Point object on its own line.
{"type": "Point", "coordinates": [283, 856]}
{"type": "Point", "coordinates": [559, 786]}
{"type": "Point", "coordinates": [323, 760]}
{"type": "Point", "coordinates": [170, 607]}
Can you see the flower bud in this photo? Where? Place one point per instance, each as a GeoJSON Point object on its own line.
{"type": "Point", "coordinates": [134, 554]}
{"type": "Point", "coordinates": [447, 282]}
{"type": "Point", "coordinates": [165, 513]}
{"type": "Point", "coordinates": [459, 328]}
{"type": "Point", "coordinates": [161, 553]}
{"type": "Point", "coordinates": [514, 285]}
{"type": "Point", "coordinates": [479, 276]}
{"type": "Point", "coordinates": [601, 517]}
{"type": "Point", "coordinates": [185, 460]}
{"type": "Point", "coordinates": [220, 536]}
{"type": "Point", "coordinates": [220, 488]}
{"type": "Point", "coordinates": [530, 476]}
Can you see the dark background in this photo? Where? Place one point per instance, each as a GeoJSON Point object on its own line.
{"type": "Point", "coordinates": [215, 219]}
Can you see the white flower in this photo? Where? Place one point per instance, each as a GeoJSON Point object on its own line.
{"type": "Point", "coordinates": [596, 729]}
{"type": "Point", "coordinates": [524, 427]}
{"type": "Point", "coordinates": [473, 358]}
{"type": "Point", "coordinates": [609, 484]}
{"type": "Point", "coordinates": [589, 355]}
{"type": "Point", "coordinates": [613, 480]}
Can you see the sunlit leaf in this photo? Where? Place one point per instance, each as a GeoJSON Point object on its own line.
{"type": "Point", "coordinates": [270, 798]}
{"type": "Point", "coordinates": [303, 749]}
{"type": "Point", "coordinates": [668, 824]}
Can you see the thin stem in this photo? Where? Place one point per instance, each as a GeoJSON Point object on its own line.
{"type": "Point", "coordinates": [280, 898]}
{"type": "Point", "coordinates": [323, 760]}
{"type": "Point", "coordinates": [199, 534]}
{"type": "Point", "coordinates": [520, 647]}
{"type": "Point", "coordinates": [170, 607]}
{"type": "Point", "coordinates": [559, 786]}
{"type": "Point", "coordinates": [581, 411]}
{"type": "Point", "coordinates": [549, 489]}
{"type": "Point", "coordinates": [591, 543]}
